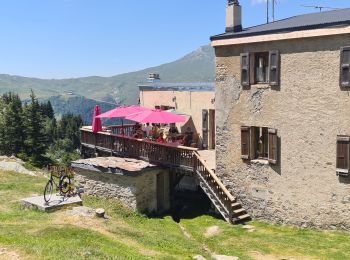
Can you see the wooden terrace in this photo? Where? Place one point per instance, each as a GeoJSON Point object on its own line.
{"type": "Point", "coordinates": [116, 142]}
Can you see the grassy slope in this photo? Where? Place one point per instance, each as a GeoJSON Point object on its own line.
{"type": "Point", "coordinates": [126, 235]}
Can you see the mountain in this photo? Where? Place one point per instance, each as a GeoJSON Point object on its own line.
{"type": "Point", "coordinates": [197, 66]}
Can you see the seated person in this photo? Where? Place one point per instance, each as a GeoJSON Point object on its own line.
{"type": "Point", "coordinates": [187, 140]}
{"type": "Point", "coordinates": [147, 128]}
{"type": "Point", "coordinates": [173, 129]}
{"type": "Point", "coordinates": [161, 139]}
{"type": "Point", "coordinates": [154, 132]}
{"type": "Point", "coordinates": [137, 131]}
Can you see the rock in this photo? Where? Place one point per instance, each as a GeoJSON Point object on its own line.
{"type": "Point", "coordinates": [212, 231]}
{"type": "Point", "coordinates": [14, 165]}
{"type": "Point", "coordinates": [248, 227]}
{"type": "Point", "coordinates": [199, 257]}
{"type": "Point", "coordinates": [100, 213]}
{"type": "Point", "coordinates": [81, 211]}
{"type": "Point", "coordinates": [224, 257]}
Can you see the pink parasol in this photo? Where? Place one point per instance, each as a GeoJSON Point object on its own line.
{"type": "Point", "coordinates": [156, 116]}
{"type": "Point", "coordinates": [96, 122]}
{"type": "Point", "coordinates": [122, 111]}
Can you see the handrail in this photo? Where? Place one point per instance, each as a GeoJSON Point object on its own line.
{"type": "Point", "coordinates": [217, 180]}
{"type": "Point", "coordinates": [163, 154]}
{"type": "Point", "coordinates": [142, 140]}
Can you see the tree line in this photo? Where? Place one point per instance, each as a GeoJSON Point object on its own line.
{"type": "Point", "coordinates": [30, 131]}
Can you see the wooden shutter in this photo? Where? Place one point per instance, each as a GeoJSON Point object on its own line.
{"type": "Point", "coordinates": [205, 125]}
{"type": "Point", "coordinates": [274, 68]}
{"type": "Point", "coordinates": [273, 146]}
{"type": "Point", "coordinates": [342, 164]}
{"type": "Point", "coordinates": [245, 142]}
{"type": "Point", "coordinates": [345, 67]}
{"type": "Point", "coordinates": [245, 69]}
{"type": "Point", "coordinates": [254, 142]}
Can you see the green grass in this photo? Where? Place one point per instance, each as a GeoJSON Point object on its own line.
{"type": "Point", "coordinates": [128, 235]}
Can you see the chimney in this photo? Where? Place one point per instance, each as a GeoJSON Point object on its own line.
{"type": "Point", "coordinates": [153, 77]}
{"type": "Point", "coordinates": [233, 16]}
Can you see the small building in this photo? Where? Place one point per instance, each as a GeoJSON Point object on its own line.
{"type": "Point", "coordinates": [282, 115]}
{"type": "Point", "coordinates": [193, 99]}
{"type": "Point", "coordinates": [139, 185]}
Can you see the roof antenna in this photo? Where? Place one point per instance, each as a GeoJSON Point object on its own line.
{"type": "Point", "coordinates": [320, 7]}
{"type": "Point", "coordinates": [267, 11]}
{"type": "Point", "coordinates": [274, 2]}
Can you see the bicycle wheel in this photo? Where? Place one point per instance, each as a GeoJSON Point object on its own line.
{"type": "Point", "coordinates": [65, 184]}
{"type": "Point", "coordinates": [48, 191]}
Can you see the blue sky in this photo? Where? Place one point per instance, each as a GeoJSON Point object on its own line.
{"type": "Point", "coordinates": [74, 38]}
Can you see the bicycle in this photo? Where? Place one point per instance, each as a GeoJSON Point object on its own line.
{"type": "Point", "coordinates": [65, 184]}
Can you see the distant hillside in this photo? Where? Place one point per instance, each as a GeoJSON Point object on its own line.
{"type": "Point", "coordinates": [77, 105]}
{"type": "Point", "coordinates": [80, 95]}
{"type": "Point", "coordinates": [194, 67]}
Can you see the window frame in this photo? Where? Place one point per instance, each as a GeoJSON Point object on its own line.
{"type": "Point", "coordinates": [343, 140]}
{"type": "Point", "coordinates": [259, 144]}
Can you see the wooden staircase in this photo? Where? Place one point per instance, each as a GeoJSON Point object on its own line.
{"type": "Point", "coordinates": [231, 210]}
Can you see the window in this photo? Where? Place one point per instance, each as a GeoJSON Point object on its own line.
{"type": "Point", "coordinates": [345, 67]}
{"type": "Point", "coordinates": [164, 107]}
{"type": "Point", "coordinates": [343, 153]}
{"type": "Point", "coordinates": [259, 143]}
{"type": "Point", "coordinates": [260, 68]}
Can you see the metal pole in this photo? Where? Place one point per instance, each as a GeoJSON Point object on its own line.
{"type": "Point", "coordinates": [273, 10]}
{"type": "Point", "coordinates": [267, 11]}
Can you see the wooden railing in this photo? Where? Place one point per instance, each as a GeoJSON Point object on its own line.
{"type": "Point", "coordinates": [121, 129]}
{"type": "Point", "coordinates": [163, 154]}
{"type": "Point", "coordinates": [122, 145]}
{"type": "Point", "coordinates": [217, 187]}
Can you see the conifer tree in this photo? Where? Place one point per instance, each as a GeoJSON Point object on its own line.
{"type": "Point", "coordinates": [35, 140]}
{"type": "Point", "coordinates": [11, 135]}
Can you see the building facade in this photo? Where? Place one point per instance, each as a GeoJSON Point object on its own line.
{"type": "Point", "coordinates": [283, 117]}
{"type": "Point", "coordinates": [196, 100]}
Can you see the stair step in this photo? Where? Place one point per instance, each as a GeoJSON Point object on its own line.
{"type": "Point", "coordinates": [239, 211]}
{"type": "Point", "coordinates": [242, 218]}
{"type": "Point", "coordinates": [236, 205]}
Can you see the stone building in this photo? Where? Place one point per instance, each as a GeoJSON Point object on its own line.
{"type": "Point", "coordinates": [139, 185]}
{"type": "Point", "coordinates": [283, 116]}
{"type": "Point", "coordinates": [194, 99]}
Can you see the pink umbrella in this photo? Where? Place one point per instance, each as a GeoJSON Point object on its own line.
{"type": "Point", "coordinates": [96, 122]}
{"type": "Point", "coordinates": [156, 116]}
{"type": "Point", "coordinates": [122, 111]}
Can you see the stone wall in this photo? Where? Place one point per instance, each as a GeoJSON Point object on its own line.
{"type": "Point", "coordinates": [137, 192]}
{"type": "Point", "coordinates": [309, 110]}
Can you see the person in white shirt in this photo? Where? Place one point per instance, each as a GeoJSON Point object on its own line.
{"type": "Point", "coordinates": [146, 128]}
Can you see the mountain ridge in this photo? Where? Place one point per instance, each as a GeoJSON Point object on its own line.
{"type": "Point", "coordinates": [196, 66]}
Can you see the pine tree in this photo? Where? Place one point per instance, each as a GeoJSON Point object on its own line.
{"type": "Point", "coordinates": [35, 140]}
{"type": "Point", "coordinates": [11, 136]}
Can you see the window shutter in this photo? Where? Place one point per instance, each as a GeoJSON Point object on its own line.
{"type": "Point", "coordinates": [274, 68]}
{"type": "Point", "coordinates": [273, 146]}
{"type": "Point", "coordinates": [345, 67]}
{"type": "Point", "coordinates": [342, 163]}
{"type": "Point", "coordinates": [245, 142]}
{"type": "Point", "coordinates": [245, 69]}
{"type": "Point", "coordinates": [254, 142]}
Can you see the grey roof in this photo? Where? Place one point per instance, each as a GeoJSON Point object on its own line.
{"type": "Point", "coordinates": [194, 87]}
{"type": "Point", "coordinates": [340, 17]}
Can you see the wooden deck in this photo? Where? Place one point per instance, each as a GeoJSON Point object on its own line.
{"type": "Point", "coordinates": [167, 155]}
{"type": "Point", "coordinates": [209, 157]}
